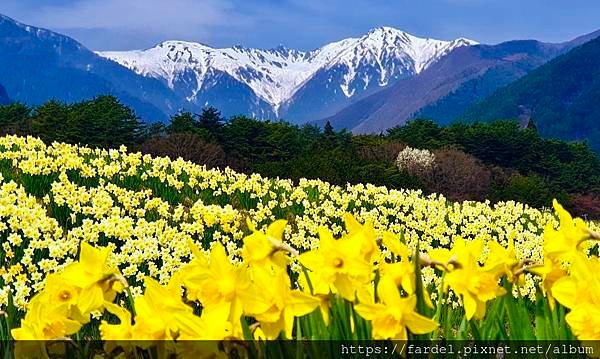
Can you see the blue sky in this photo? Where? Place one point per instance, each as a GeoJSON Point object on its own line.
{"type": "Point", "coordinates": [302, 24]}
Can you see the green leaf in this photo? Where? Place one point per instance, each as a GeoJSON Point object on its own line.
{"type": "Point", "coordinates": [246, 329]}
{"type": "Point", "coordinates": [519, 322]}
{"type": "Point", "coordinates": [462, 329]}
{"type": "Point", "coordinates": [492, 326]}
{"type": "Point", "coordinates": [543, 320]}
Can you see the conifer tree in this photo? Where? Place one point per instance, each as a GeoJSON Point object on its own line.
{"type": "Point", "coordinates": [105, 122]}
{"type": "Point", "coordinates": [329, 133]}
{"type": "Point", "coordinates": [183, 122]}
{"type": "Point", "coordinates": [211, 122]}
{"type": "Point", "coordinates": [15, 118]}
{"type": "Point", "coordinates": [531, 125]}
{"type": "Point", "coordinates": [51, 122]}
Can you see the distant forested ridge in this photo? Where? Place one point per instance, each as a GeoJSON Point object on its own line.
{"type": "Point", "coordinates": [562, 97]}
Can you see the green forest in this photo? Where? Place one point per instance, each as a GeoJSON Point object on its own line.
{"type": "Point", "coordinates": [561, 95]}
{"type": "Point", "coordinates": [495, 161]}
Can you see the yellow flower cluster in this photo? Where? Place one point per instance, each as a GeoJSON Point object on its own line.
{"type": "Point", "coordinates": [259, 288]}
{"type": "Point", "coordinates": [570, 277]}
{"type": "Point", "coordinates": [69, 298]}
{"type": "Point", "coordinates": [146, 210]}
{"type": "Point", "coordinates": [381, 288]}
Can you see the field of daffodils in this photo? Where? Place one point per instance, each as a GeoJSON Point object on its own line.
{"type": "Point", "coordinates": [128, 249]}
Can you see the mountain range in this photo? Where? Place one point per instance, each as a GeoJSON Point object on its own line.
{"type": "Point", "coordinates": [365, 84]}
{"type": "Point", "coordinates": [286, 83]}
{"type": "Point", "coordinates": [450, 86]}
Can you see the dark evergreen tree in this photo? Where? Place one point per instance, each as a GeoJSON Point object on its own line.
{"type": "Point", "coordinates": [15, 118]}
{"type": "Point", "coordinates": [51, 122]}
{"type": "Point", "coordinates": [328, 129]}
{"type": "Point", "coordinates": [183, 122]}
{"type": "Point", "coordinates": [211, 122]}
{"type": "Point", "coordinates": [105, 122]}
{"type": "Point", "coordinates": [329, 134]}
{"type": "Point", "coordinates": [531, 125]}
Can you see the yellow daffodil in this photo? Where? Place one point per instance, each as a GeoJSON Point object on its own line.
{"type": "Point", "coordinates": [338, 263]}
{"type": "Point", "coordinates": [462, 252]}
{"type": "Point", "coordinates": [580, 292]}
{"type": "Point", "coordinates": [394, 315]}
{"type": "Point", "coordinates": [550, 271]}
{"type": "Point", "coordinates": [97, 281]}
{"type": "Point", "coordinates": [117, 335]}
{"type": "Point", "coordinates": [402, 273]}
{"type": "Point", "coordinates": [393, 243]}
{"type": "Point", "coordinates": [60, 293]}
{"type": "Point", "coordinates": [266, 248]}
{"type": "Point", "coordinates": [215, 282]}
{"type": "Point", "coordinates": [467, 278]}
{"type": "Point", "coordinates": [284, 303]}
{"type": "Point", "coordinates": [212, 325]}
{"type": "Point", "coordinates": [564, 243]}
{"type": "Point", "coordinates": [43, 322]}
{"type": "Point", "coordinates": [46, 320]}
{"type": "Point", "coordinates": [164, 300]}
{"type": "Point", "coordinates": [364, 234]}
{"type": "Point", "coordinates": [476, 287]}
{"type": "Point", "coordinates": [324, 299]}
{"type": "Point", "coordinates": [503, 261]}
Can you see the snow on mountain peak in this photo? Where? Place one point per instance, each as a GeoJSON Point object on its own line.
{"type": "Point", "coordinates": [275, 75]}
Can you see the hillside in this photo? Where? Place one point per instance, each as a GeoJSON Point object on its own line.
{"type": "Point", "coordinates": [38, 65]}
{"type": "Point", "coordinates": [135, 231]}
{"type": "Point", "coordinates": [497, 161]}
{"type": "Point", "coordinates": [447, 88]}
{"type": "Point", "coordinates": [561, 97]}
{"type": "Point", "coordinates": [449, 108]}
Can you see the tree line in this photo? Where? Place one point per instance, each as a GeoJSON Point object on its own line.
{"type": "Point", "coordinates": [497, 161]}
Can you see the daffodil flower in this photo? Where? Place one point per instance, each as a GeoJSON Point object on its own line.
{"type": "Point", "coordinates": [393, 243]}
{"type": "Point", "coordinates": [46, 320]}
{"type": "Point", "coordinates": [284, 303]}
{"type": "Point", "coordinates": [364, 234]}
{"type": "Point", "coordinates": [394, 316]}
{"type": "Point", "coordinates": [563, 244]}
{"type": "Point", "coordinates": [503, 261]}
{"type": "Point", "coordinates": [550, 272]}
{"type": "Point", "coordinates": [97, 281]}
{"type": "Point", "coordinates": [217, 281]}
{"type": "Point", "coordinates": [337, 263]}
{"type": "Point", "coordinates": [580, 292]}
{"type": "Point", "coordinates": [467, 278]}
{"type": "Point", "coordinates": [159, 299]}
{"type": "Point", "coordinates": [267, 248]}
{"type": "Point", "coordinates": [117, 335]}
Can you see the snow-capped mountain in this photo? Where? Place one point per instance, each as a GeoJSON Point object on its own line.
{"type": "Point", "coordinates": [283, 82]}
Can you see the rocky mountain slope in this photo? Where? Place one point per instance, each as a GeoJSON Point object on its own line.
{"type": "Point", "coordinates": [286, 83]}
